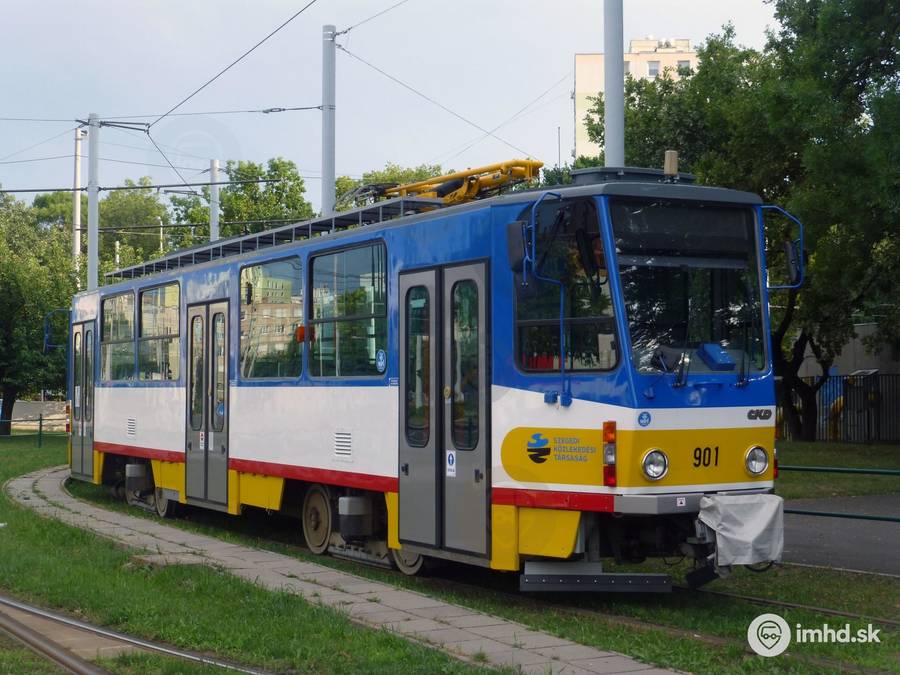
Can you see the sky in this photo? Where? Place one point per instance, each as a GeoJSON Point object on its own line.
{"type": "Point", "coordinates": [483, 60]}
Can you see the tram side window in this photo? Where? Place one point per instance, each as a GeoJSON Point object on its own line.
{"type": "Point", "coordinates": [349, 305]}
{"type": "Point", "coordinates": [159, 347]}
{"type": "Point", "coordinates": [569, 250]}
{"type": "Point", "coordinates": [117, 338]}
{"type": "Point", "coordinates": [271, 337]}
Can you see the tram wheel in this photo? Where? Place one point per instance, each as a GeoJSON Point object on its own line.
{"type": "Point", "coordinates": [317, 519]}
{"type": "Point", "coordinates": [165, 507]}
{"type": "Point", "coordinates": [408, 563]}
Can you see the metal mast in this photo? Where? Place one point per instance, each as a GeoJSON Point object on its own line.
{"type": "Point", "coordinates": [613, 84]}
{"type": "Point", "coordinates": [328, 98]}
{"type": "Point", "coordinates": [93, 199]}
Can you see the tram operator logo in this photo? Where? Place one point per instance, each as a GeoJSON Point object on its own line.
{"type": "Point", "coordinates": [538, 448]}
{"type": "Point", "coordinates": [769, 635]}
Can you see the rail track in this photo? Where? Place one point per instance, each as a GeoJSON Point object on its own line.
{"type": "Point", "coordinates": [45, 646]}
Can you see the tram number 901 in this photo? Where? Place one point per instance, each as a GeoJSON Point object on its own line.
{"type": "Point", "coordinates": [706, 456]}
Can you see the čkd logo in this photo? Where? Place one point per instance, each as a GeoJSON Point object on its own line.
{"type": "Point", "coordinates": [759, 414]}
{"type": "Point", "coordinates": [538, 448]}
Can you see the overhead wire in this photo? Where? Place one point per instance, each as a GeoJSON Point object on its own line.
{"type": "Point", "coordinates": [34, 119]}
{"type": "Point", "coordinates": [34, 145]}
{"type": "Point", "coordinates": [230, 65]}
{"type": "Point", "coordinates": [35, 159]}
{"type": "Point", "coordinates": [440, 158]}
{"type": "Point", "coordinates": [433, 101]}
{"type": "Point", "coordinates": [521, 111]}
{"type": "Point", "coordinates": [374, 16]}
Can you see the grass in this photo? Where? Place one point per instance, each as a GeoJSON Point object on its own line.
{"type": "Point", "coordinates": [195, 607]}
{"type": "Point", "coordinates": [696, 632]}
{"type": "Point", "coordinates": [803, 485]}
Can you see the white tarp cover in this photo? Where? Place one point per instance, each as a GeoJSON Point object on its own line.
{"type": "Point", "coordinates": [749, 528]}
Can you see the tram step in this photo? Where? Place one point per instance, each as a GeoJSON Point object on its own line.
{"type": "Point", "coordinates": [590, 577]}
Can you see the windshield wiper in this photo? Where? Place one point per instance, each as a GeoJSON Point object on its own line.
{"type": "Point", "coordinates": [744, 371]}
{"type": "Point", "coordinates": [684, 363]}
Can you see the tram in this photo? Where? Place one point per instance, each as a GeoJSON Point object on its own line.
{"type": "Point", "coordinates": [532, 381]}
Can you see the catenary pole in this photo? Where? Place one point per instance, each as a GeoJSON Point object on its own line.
{"type": "Point", "coordinates": [328, 99]}
{"type": "Point", "coordinates": [93, 199]}
{"type": "Point", "coordinates": [613, 83]}
{"type": "Point", "coordinates": [76, 201]}
{"type": "Point", "coordinates": [213, 199]}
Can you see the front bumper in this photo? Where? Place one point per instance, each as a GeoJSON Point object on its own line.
{"type": "Point", "coordinates": [675, 503]}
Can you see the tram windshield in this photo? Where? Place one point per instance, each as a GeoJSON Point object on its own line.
{"type": "Point", "coordinates": [690, 281]}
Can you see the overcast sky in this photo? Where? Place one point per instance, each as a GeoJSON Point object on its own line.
{"type": "Point", "coordinates": [484, 60]}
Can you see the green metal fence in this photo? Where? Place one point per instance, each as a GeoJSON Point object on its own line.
{"type": "Point", "coordinates": [841, 469]}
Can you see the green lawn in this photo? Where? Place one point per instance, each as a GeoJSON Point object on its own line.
{"type": "Point", "coordinates": [55, 565]}
{"type": "Point", "coordinates": [803, 484]}
{"type": "Point", "coordinates": [694, 632]}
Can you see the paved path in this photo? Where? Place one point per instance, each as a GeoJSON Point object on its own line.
{"type": "Point", "coordinates": [456, 630]}
{"type": "Point", "coordinates": [864, 545]}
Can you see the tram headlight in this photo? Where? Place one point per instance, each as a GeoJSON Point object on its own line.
{"type": "Point", "coordinates": [757, 460]}
{"type": "Point", "coordinates": [655, 464]}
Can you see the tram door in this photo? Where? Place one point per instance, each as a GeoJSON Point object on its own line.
{"type": "Point", "coordinates": [444, 435]}
{"type": "Point", "coordinates": [83, 400]}
{"type": "Point", "coordinates": [206, 450]}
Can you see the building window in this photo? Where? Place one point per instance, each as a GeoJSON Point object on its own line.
{"type": "Point", "coordinates": [271, 296]}
{"type": "Point", "coordinates": [117, 339]}
{"type": "Point", "coordinates": [627, 67]}
{"type": "Point", "coordinates": [684, 66]}
{"type": "Point", "coordinates": [571, 251]}
{"type": "Point", "coordinates": [652, 68]}
{"type": "Point", "coordinates": [349, 305]}
{"type": "Point", "coordinates": [159, 347]}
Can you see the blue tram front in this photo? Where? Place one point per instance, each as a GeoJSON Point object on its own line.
{"type": "Point", "coordinates": [537, 380]}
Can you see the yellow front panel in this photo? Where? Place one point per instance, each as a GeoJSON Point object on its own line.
{"type": "Point", "coordinates": [562, 456]}
{"type": "Point", "coordinates": [684, 467]}
{"type": "Point", "coordinates": [262, 491]}
{"type": "Point", "coordinates": [575, 456]}
{"type": "Point", "coordinates": [504, 537]}
{"type": "Point", "coordinates": [548, 532]}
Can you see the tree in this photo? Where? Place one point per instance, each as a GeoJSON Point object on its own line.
{"type": "Point", "coordinates": [36, 277]}
{"type": "Point", "coordinates": [283, 199]}
{"type": "Point", "coordinates": [55, 208]}
{"type": "Point", "coordinates": [124, 209]}
{"type": "Point", "coordinates": [391, 174]}
{"type": "Point", "coordinates": [811, 122]}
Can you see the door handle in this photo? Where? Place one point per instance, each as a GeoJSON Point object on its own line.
{"type": "Point", "coordinates": [223, 448]}
{"type": "Point", "coordinates": [404, 468]}
{"type": "Point", "coordinates": [479, 476]}
{"type": "Point", "coordinates": [189, 446]}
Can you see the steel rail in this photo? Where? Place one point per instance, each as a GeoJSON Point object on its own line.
{"type": "Point", "coordinates": [839, 469]}
{"type": "Point", "coordinates": [841, 514]}
{"type": "Point", "coordinates": [792, 605]}
{"type": "Point", "coordinates": [121, 637]}
{"type": "Point", "coordinates": [44, 646]}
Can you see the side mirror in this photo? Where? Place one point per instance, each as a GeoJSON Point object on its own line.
{"type": "Point", "coordinates": [788, 263]}
{"type": "Point", "coordinates": [516, 244]}
{"type": "Point", "coordinates": [792, 260]}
